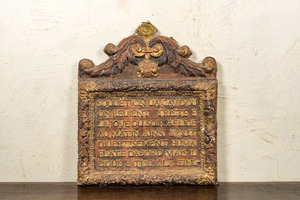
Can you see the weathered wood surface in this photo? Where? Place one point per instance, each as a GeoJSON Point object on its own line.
{"type": "Point", "coordinates": [147, 115]}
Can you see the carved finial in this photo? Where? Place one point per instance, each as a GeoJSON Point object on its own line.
{"type": "Point", "coordinates": [146, 30]}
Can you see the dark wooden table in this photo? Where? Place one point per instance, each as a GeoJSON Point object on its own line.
{"type": "Point", "coordinates": [232, 191]}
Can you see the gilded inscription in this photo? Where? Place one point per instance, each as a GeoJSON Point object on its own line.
{"type": "Point", "coordinates": [163, 130]}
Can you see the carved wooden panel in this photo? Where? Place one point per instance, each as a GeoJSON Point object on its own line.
{"type": "Point", "coordinates": [147, 115]}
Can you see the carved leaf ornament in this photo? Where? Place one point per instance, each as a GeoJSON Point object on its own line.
{"type": "Point", "coordinates": [149, 52]}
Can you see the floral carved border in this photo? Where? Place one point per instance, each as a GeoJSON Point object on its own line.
{"type": "Point", "coordinates": [206, 89]}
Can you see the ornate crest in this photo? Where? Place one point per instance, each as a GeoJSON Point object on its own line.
{"type": "Point", "coordinates": [149, 52]}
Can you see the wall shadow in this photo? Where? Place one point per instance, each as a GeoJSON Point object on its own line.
{"type": "Point", "coordinates": [70, 152]}
{"type": "Point", "coordinates": [221, 117]}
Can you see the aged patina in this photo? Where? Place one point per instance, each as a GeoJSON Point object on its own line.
{"type": "Point", "coordinates": [147, 115]}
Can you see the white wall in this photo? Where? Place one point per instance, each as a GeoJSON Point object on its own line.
{"type": "Point", "coordinates": [256, 44]}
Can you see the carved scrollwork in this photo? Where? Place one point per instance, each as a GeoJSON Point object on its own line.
{"type": "Point", "coordinates": [120, 56]}
{"type": "Point", "coordinates": [176, 57]}
{"type": "Point", "coordinates": [144, 44]}
{"type": "Point", "coordinates": [184, 51]}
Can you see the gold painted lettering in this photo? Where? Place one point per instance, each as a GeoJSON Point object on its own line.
{"type": "Point", "coordinates": [127, 163]}
{"type": "Point", "coordinates": [133, 143]}
{"type": "Point", "coordinates": [188, 102]}
{"type": "Point", "coordinates": [103, 123]}
{"type": "Point", "coordinates": [103, 114]}
{"type": "Point", "coordinates": [147, 123]}
{"type": "Point", "coordinates": [168, 102]}
{"type": "Point", "coordinates": [145, 153]}
{"type": "Point", "coordinates": [119, 123]}
{"type": "Point", "coordinates": [194, 113]}
{"type": "Point", "coordinates": [154, 163]}
{"type": "Point", "coordinates": [138, 102]}
{"type": "Point", "coordinates": [193, 152]}
{"type": "Point", "coordinates": [130, 113]}
{"type": "Point", "coordinates": [148, 132]}
{"type": "Point", "coordinates": [113, 103]}
{"type": "Point", "coordinates": [181, 122]}
{"type": "Point", "coordinates": [110, 163]}
{"type": "Point", "coordinates": [111, 153]}
{"type": "Point", "coordinates": [153, 133]}
{"type": "Point", "coordinates": [184, 143]}
{"type": "Point", "coordinates": [183, 133]}
{"type": "Point", "coordinates": [173, 113]}
{"type": "Point", "coordinates": [125, 133]}
{"type": "Point", "coordinates": [103, 133]}
{"type": "Point", "coordinates": [154, 102]}
{"type": "Point", "coordinates": [187, 162]}
{"type": "Point", "coordinates": [176, 152]}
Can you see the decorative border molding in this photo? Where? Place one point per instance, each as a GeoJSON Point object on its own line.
{"type": "Point", "coordinates": [206, 90]}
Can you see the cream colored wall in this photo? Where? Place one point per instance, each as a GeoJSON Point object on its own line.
{"type": "Point", "coordinates": [256, 44]}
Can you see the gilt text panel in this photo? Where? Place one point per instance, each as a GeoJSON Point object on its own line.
{"type": "Point", "coordinates": [147, 132]}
